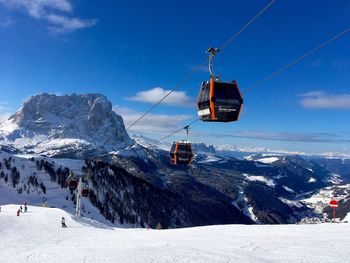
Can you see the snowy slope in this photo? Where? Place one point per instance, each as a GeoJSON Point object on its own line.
{"type": "Point", "coordinates": [55, 195]}
{"type": "Point", "coordinates": [38, 237]}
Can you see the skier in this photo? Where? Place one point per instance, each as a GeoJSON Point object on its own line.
{"type": "Point", "coordinates": [25, 207]}
{"type": "Point", "coordinates": [18, 212]}
{"type": "Point", "coordinates": [43, 203]}
{"type": "Point", "coordinates": [20, 207]}
{"type": "Point", "coordinates": [63, 222]}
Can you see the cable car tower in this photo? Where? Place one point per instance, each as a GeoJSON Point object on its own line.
{"type": "Point", "coordinates": [75, 182]}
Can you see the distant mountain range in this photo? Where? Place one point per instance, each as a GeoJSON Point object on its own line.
{"type": "Point", "coordinates": [131, 180]}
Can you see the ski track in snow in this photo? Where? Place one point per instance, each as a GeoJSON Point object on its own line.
{"type": "Point", "coordinates": [38, 237]}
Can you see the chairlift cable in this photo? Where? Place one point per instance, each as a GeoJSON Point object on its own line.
{"type": "Point", "coordinates": [171, 134]}
{"type": "Point", "coordinates": [277, 72]}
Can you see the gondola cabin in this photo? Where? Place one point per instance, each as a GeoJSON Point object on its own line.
{"type": "Point", "coordinates": [85, 192]}
{"type": "Point", "coordinates": [219, 101]}
{"type": "Point", "coordinates": [181, 153]}
{"type": "Point", "coordinates": [72, 184]}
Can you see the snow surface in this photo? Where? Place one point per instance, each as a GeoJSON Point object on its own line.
{"type": "Point", "coordinates": [288, 189]}
{"type": "Point", "coordinates": [260, 178]}
{"type": "Point", "coordinates": [211, 158]}
{"type": "Point", "coordinates": [347, 218]}
{"type": "Point", "coordinates": [38, 237]}
{"type": "Point", "coordinates": [335, 179]}
{"type": "Point", "coordinates": [268, 160]}
{"type": "Point", "coordinates": [291, 203]}
{"type": "Point", "coordinates": [312, 180]}
{"type": "Point", "coordinates": [242, 204]}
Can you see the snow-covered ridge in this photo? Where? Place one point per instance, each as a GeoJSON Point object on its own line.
{"type": "Point", "coordinates": [50, 124]}
{"type": "Point", "coordinates": [233, 150]}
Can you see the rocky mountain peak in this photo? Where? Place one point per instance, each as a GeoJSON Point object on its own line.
{"type": "Point", "coordinates": [85, 118]}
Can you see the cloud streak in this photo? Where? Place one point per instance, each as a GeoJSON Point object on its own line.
{"type": "Point", "coordinates": [176, 98]}
{"type": "Point", "coordinates": [4, 111]}
{"type": "Point", "coordinates": [52, 11]}
{"type": "Point", "coordinates": [6, 21]}
{"type": "Point", "coordinates": [323, 100]}
{"type": "Point", "coordinates": [151, 123]}
{"type": "Point", "coordinates": [280, 136]}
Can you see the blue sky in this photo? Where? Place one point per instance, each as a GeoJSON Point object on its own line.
{"type": "Point", "coordinates": [133, 51]}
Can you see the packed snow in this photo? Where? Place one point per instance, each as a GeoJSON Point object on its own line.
{"type": "Point", "coordinates": [37, 236]}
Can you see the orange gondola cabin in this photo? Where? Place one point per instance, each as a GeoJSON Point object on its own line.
{"type": "Point", "coordinates": [181, 153]}
{"type": "Point", "coordinates": [219, 101]}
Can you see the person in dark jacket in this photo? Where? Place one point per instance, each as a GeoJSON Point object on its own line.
{"type": "Point", "coordinates": [63, 222]}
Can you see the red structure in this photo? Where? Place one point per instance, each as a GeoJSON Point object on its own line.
{"type": "Point", "coordinates": [333, 204]}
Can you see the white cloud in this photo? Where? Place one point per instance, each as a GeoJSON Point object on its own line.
{"type": "Point", "coordinates": [66, 24]}
{"type": "Point", "coordinates": [6, 21]}
{"type": "Point", "coordinates": [3, 105]}
{"type": "Point", "coordinates": [323, 100]}
{"type": "Point", "coordinates": [176, 98]}
{"type": "Point", "coordinates": [4, 111]}
{"type": "Point", "coordinates": [199, 68]}
{"type": "Point", "coordinates": [52, 12]}
{"type": "Point", "coordinates": [151, 123]}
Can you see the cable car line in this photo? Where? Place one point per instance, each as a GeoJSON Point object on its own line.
{"type": "Point", "coordinates": [246, 25]}
{"type": "Point", "coordinates": [250, 88]}
{"type": "Point", "coordinates": [277, 72]}
{"type": "Point", "coordinates": [185, 127]}
{"type": "Point", "coordinates": [183, 82]}
{"type": "Point", "coordinates": [194, 71]}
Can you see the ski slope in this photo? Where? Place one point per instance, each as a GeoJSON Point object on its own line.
{"type": "Point", "coordinates": [38, 237]}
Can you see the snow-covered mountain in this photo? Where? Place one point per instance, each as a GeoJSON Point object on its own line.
{"type": "Point", "coordinates": [70, 125]}
{"type": "Point", "coordinates": [131, 177]}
